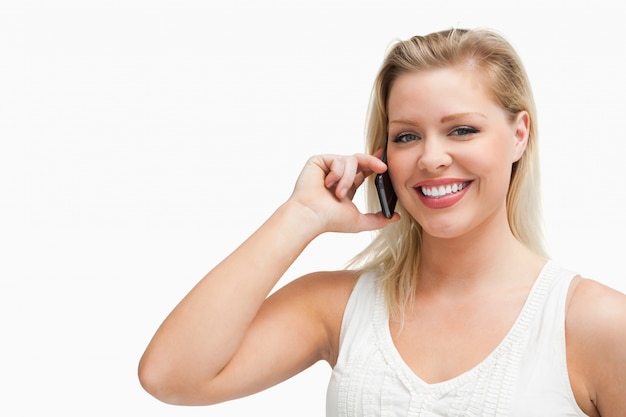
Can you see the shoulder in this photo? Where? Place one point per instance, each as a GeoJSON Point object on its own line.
{"type": "Point", "coordinates": [597, 309]}
{"type": "Point", "coordinates": [596, 336]}
{"type": "Point", "coordinates": [323, 285]}
{"type": "Point", "coordinates": [326, 292]}
{"type": "Point", "coordinates": [322, 297]}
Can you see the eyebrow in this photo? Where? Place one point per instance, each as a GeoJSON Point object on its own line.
{"type": "Point", "coordinates": [444, 119]}
{"type": "Point", "coordinates": [461, 115]}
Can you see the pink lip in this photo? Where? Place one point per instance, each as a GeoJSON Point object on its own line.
{"type": "Point", "coordinates": [445, 201]}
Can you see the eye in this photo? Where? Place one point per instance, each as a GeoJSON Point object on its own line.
{"type": "Point", "coordinates": [463, 131]}
{"type": "Point", "coordinates": [405, 138]}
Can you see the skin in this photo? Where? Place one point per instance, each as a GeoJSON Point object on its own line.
{"type": "Point", "coordinates": [238, 341]}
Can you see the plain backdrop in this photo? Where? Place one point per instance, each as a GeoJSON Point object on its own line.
{"type": "Point", "coordinates": [142, 141]}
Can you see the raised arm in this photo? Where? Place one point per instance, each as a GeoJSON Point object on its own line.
{"type": "Point", "coordinates": [218, 341]}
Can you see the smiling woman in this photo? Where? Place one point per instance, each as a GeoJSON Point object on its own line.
{"type": "Point", "coordinates": [445, 123]}
{"type": "Point", "coordinates": [453, 309]}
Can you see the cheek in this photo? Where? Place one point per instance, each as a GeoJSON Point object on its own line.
{"type": "Point", "coordinates": [492, 167]}
{"type": "Point", "coordinates": [401, 165]}
{"type": "Point", "coordinates": [494, 170]}
{"type": "Point", "coordinates": [493, 155]}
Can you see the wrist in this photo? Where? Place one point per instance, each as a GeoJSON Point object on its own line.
{"type": "Point", "coordinates": [301, 220]}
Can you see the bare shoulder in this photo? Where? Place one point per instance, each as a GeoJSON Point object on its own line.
{"type": "Point", "coordinates": [325, 282]}
{"type": "Point", "coordinates": [596, 336]}
{"type": "Point", "coordinates": [596, 308]}
{"type": "Point", "coordinates": [327, 290]}
{"type": "Point", "coordinates": [324, 294]}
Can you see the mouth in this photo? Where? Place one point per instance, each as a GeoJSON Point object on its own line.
{"type": "Point", "coordinates": [440, 191]}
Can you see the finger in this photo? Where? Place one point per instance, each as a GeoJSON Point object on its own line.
{"type": "Point", "coordinates": [370, 163]}
{"type": "Point", "coordinates": [347, 181]}
{"type": "Point", "coordinates": [359, 179]}
{"type": "Point", "coordinates": [348, 173]}
{"type": "Point", "coordinates": [336, 171]}
{"type": "Point", "coordinates": [367, 164]}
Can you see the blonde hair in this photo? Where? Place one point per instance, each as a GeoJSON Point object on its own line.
{"type": "Point", "coordinates": [395, 251]}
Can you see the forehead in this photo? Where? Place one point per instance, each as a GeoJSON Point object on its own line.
{"type": "Point", "coordinates": [439, 91]}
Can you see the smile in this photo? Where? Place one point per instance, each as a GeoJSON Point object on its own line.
{"type": "Point", "coordinates": [443, 190]}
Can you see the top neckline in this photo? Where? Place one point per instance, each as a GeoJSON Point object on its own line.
{"type": "Point", "coordinates": [412, 381]}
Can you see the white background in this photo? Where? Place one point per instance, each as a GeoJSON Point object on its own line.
{"type": "Point", "coordinates": [142, 141]}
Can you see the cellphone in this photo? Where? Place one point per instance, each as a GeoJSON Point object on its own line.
{"type": "Point", "coordinates": [386, 194]}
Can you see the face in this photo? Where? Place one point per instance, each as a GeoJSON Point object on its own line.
{"type": "Point", "coordinates": [451, 150]}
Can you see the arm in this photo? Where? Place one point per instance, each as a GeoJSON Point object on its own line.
{"type": "Point", "coordinates": [596, 345]}
{"type": "Point", "coordinates": [225, 331]}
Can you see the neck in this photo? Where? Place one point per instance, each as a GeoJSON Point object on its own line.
{"type": "Point", "coordinates": [475, 260]}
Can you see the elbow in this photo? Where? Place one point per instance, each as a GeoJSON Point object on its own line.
{"type": "Point", "coordinates": [163, 383]}
{"type": "Point", "coordinates": [154, 381]}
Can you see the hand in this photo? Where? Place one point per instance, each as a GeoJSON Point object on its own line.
{"type": "Point", "coordinates": [327, 185]}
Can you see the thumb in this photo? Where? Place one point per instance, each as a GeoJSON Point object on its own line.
{"type": "Point", "coordinates": [375, 221]}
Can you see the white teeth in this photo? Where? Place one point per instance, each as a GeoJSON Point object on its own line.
{"type": "Point", "coordinates": [437, 192]}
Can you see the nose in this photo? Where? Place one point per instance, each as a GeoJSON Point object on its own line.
{"type": "Point", "coordinates": [434, 155]}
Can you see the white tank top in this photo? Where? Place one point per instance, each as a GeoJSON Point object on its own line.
{"type": "Point", "coordinates": [525, 376]}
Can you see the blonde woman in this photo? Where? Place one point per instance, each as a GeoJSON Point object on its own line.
{"type": "Point", "coordinates": [454, 309]}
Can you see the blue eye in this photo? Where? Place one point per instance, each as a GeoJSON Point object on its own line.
{"type": "Point", "coordinates": [405, 138]}
{"type": "Point", "coordinates": [464, 131]}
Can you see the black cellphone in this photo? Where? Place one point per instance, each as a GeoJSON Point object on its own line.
{"type": "Point", "coordinates": [386, 194]}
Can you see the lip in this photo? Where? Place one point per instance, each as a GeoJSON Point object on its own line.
{"type": "Point", "coordinates": [447, 200]}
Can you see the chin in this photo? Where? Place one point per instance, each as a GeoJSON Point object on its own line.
{"type": "Point", "coordinates": [445, 227]}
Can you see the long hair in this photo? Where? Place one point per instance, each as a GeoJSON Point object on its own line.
{"type": "Point", "coordinates": [395, 251]}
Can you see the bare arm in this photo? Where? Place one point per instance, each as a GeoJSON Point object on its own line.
{"type": "Point", "coordinates": [596, 346]}
{"type": "Point", "coordinates": [225, 329]}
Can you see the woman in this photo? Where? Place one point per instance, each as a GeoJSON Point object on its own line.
{"type": "Point", "coordinates": [454, 309]}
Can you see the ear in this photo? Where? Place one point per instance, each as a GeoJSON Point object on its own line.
{"type": "Point", "coordinates": [521, 127]}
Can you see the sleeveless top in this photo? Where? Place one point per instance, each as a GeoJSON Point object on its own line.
{"type": "Point", "coordinates": [524, 376]}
